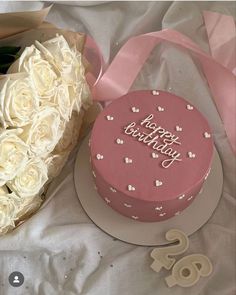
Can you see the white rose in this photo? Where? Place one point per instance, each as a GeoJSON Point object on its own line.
{"type": "Point", "coordinates": [13, 154]}
{"type": "Point", "coordinates": [9, 207]}
{"type": "Point", "coordinates": [58, 52]}
{"type": "Point", "coordinates": [55, 163]}
{"type": "Point", "coordinates": [70, 136]}
{"type": "Point", "coordinates": [40, 70]}
{"type": "Point", "coordinates": [68, 61]}
{"type": "Point", "coordinates": [82, 93]}
{"type": "Point", "coordinates": [57, 160]}
{"type": "Point", "coordinates": [18, 100]}
{"type": "Point", "coordinates": [31, 179]}
{"type": "Point", "coordinates": [44, 133]}
{"type": "Point", "coordinates": [81, 88]}
{"type": "Point", "coordinates": [63, 101]}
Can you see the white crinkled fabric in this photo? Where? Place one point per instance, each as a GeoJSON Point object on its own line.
{"type": "Point", "coordinates": [60, 251]}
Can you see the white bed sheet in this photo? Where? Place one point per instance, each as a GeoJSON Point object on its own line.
{"type": "Point", "coordinates": [60, 251]}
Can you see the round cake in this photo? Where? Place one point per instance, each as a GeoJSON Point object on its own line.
{"type": "Point", "coordinates": [151, 152]}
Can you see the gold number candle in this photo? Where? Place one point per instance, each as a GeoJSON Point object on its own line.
{"type": "Point", "coordinates": [188, 270]}
{"type": "Point", "coordinates": [162, 255]}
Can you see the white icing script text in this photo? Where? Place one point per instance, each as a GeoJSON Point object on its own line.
{"type": "Point", "coordinates": [152, 139]}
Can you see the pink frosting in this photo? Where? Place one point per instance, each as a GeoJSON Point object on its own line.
{"type": "Point", "coordinates": [130, 174]}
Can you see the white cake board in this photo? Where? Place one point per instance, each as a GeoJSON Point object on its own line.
{"type": "Point", "coordinates": [144, 233]}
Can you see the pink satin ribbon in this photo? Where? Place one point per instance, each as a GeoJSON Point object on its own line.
{"type": "Point", "coordinates": [121, 73]}
{"type": "Point", "coordinates": [93, 54]}
{"type": "Point", "coordinates": [221, 33]}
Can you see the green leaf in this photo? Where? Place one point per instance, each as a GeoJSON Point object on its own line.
{"type": "Point", "coordinates": [8, 54]}
{"type": "Point", "coordinates": [9, 50]}
{"type": "Point", "coordinates": [6, 59]}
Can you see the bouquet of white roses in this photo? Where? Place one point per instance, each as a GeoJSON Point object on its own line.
{"type": "Point", "coordinates": [42, 100]}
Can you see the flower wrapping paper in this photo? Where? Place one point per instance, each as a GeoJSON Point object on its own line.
{"type": "Point", "coordinates": [44, 101]}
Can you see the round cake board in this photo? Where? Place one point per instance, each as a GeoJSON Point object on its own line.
{"type": "Point", "coordinates": [144, 233]}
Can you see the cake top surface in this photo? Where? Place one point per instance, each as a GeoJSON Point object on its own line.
{"type": "Point", "coordinates": [151, 145]}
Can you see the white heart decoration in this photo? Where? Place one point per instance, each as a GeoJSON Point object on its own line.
{"type": "Point", "coordinates": [119, 141]}
{"type": "Point", "coordinates": [155, 92]}
{"type": "Point", "coordinates": [154, 155]}
{"type": "Point", "coordinates": [107, 200]}
{"type": "Point", "coordinates": [207, 135]}
{"type": "Point", "coordinates": [191, 155]}
{"type": "Point", "coordinates": [158, 208]}
{"type": "Point", "coordinates": [131, 188]}
{"type": "Point", "coordinates": [110, 118]}
{"type": "Point", "coordinates": [127, 205]}
{"type": "Point", "coordinates": [135, 110]}
{"type": "Point", "coordinates": [134, 217]}
{"type": "Point", "coordinates": [113, 190]}
{"type": "Point", "coordinates": [178, 128]}
{"type": "Point", "coordinates": [162, 214]}
{"type": "Point", "coordinates": [190, 198]}
{"type": "Point", "coordinates": [181, 197]}
{"type": "Point", "coordinates": [160, 109]}
{"type": "Point", "coordinates": [158, 183]}
{"type": "Point", "coordinates": [189, 107]}
{"type": "Point", "coordinates": [99, 156]}
{"type": "Point", "coordinates": [128, 161]}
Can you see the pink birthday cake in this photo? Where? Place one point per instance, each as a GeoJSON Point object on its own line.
{"type": "Point", "coordinates": [151, 152]}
